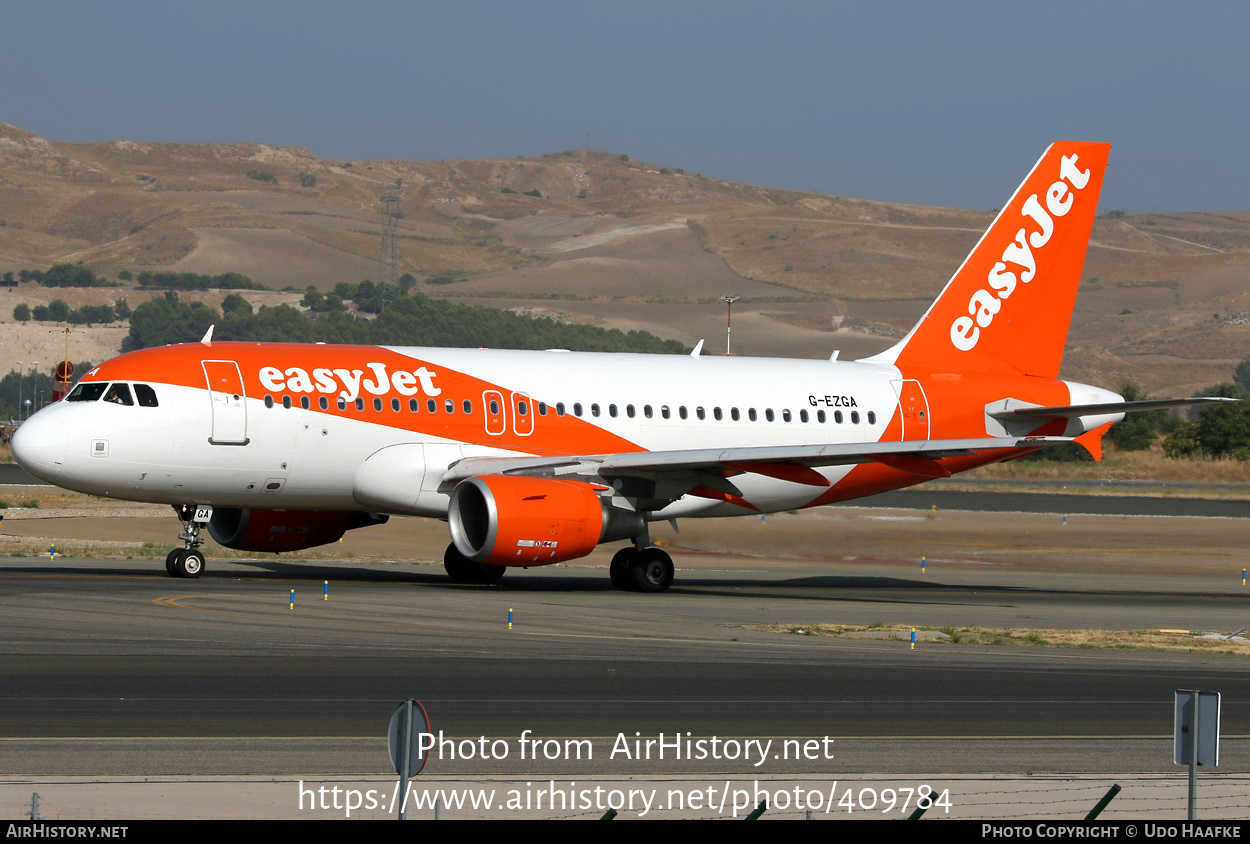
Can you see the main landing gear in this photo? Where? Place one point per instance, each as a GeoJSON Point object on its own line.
{"type": "Point", "coordinates": [641, 570]}
{"type": "Point", "coordinates": [463, 570]}
{"type": "Point", "coordinates": [189, 560]}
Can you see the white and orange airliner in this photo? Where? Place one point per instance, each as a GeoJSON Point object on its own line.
{"type": "Point", "coordinates": [537, 457]}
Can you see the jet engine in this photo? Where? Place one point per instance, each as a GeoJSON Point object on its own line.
{"type": "Point", "coordinates": [247, 529]}
{"type": "Point", "coordinates": [511, 520]}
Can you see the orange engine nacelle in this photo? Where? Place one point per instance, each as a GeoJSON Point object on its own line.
{"type": "Point", "coordinates": [510, 520]}
{"type": "Point", "coordinates": [283, 530]}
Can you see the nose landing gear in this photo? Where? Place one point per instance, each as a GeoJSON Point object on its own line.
{"type": "Point", "coordinates": [189, 560]}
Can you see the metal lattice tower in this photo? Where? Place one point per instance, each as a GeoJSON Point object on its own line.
{"type": "Point", "coordinates": [388, 257]}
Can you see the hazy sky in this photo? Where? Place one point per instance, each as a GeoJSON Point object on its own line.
{"type": "Point", "coordinates": [932, 103]}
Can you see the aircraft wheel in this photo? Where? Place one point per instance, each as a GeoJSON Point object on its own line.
{"type": "Point", "coordinates": [171, 562]}
{"type": "Point", "coordinates": [488, 574]}
{"type": "Point", "coordinates": [463, 570]}
{"type": "Point", "coordinates": [189, 564]}
{"type": "Point", "coordinates": [619, 570]}
{"type": "Point", "coordinates": [652, 570]}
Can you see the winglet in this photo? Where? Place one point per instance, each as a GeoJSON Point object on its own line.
{"type": "Point", "coordinates": [697, 349]}
{"type": "Point", "coordinates": [207, 339]}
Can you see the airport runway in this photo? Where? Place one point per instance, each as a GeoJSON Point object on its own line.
{"type": "Point", "coordinates": [112, 668]}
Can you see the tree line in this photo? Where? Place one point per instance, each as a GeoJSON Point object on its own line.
{"type": "Point", "coordinates": [58, 311]}
{"type": "Point", "coordinates": [79, 275]}
{"type": "Point", "coordinates": [28, 383]}
{"type": "Point", "coordinates": [413, 320]}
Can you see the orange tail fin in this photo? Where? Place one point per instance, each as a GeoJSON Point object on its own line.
{"type": "Point", "coordinates": [1010, 304]}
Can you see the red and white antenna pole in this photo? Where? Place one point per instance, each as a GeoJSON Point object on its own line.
{"type": "Point", "coordinates": [729, 301]}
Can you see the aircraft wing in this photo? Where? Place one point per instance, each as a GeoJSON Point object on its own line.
{"type": "Point", "coordinates": [657, 477]}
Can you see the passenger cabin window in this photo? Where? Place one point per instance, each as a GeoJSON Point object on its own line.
{"type": "Point", "coordinates": [646, 411]}
{"type": "Point", "coordinates": [395, 405]}
{"type": "Point", "coordinates": [820, 416]}
{"type": "Point", "coordinates": [751, 414]}
{"type": "Point", "coordinates": [146, 396]}
{"type": "Point", "coordinates": [594, 410]}
{"type": "Point", "coordinates": [360, 404]}
{"type": "Point", "coordinates": [542, 408]}
{"type": "Point", "coordinates": [342, 402]}
{"type": "Point", "coordinates": [304, 402]}
{"type": "Point", "coordinates": [286, 402]}
{"type": "Point", "coordinates": [629, 411]}
{"type": "Point", "coordinates": [323, 403]}
{"type": "Point", "coordinates": [785, 415]}
{"type": "Point", "coordinates": [802, 415]}
{"type": "Point", "coordinates": [431, 405]}
{"type": "Point", "coordinates": [854, 417]}
{"type": "Point", "coordinates": [768, 414]}
{"type": "Point", "coordinates": [664, 411]}
{"type": "Point", "coordinates": [559, 408]}
{"type": "Point", "coordinates": [681, 411]}
{"type": "Point", "coordinates": [612, 410]}
{"type": "Point", "coordinates": [449, 406]}
{"type": "Point", "coordinates": [837, 416]}
{"type": "Point", "coordinates": [872, 417]}
{"type": "Point", "coordinates": [577, 409]}
{"type": "Point", "coordinates": [716, 413]}
{"type": "Point", "coordinates": [414, 406]}
{"type": "Point", "coordinates": [466, 406]}
{"type": "Point", "coordinates": [119, 394]}
{"type": "Point", "coordinates": [87, 392]}
{"type": "Point", "coordinates": [698, 411]}
{"type": "Point", "coordinates": [733, 414]}
{"type": "Point", "coordinates": [269, 402]}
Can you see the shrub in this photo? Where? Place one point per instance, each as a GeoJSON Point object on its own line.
{"type": "Point", "coordinates": [308, 180]}
{"type": "Point", "coordinates": [22, 313]}
{"type": "Point", "coordinates": [262, 176]}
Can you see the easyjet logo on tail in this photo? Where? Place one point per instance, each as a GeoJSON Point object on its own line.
{"type": "Point", "coordinates": [1019, 262]}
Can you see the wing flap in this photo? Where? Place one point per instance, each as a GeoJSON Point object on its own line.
{"type": "Point", "coordinates": [769, 459]}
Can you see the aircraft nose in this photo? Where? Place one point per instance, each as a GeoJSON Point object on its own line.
{"type": "Point", "coordinates": [39, 446]}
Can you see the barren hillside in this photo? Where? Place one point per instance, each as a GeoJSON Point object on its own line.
{"type": "Point", "coordinates": [609, 240]}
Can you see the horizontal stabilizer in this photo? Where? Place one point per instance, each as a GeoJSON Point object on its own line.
{"type": "Point", "coordinates": [1072, 411]}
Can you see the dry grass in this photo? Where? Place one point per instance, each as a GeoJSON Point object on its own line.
{"type": "Point", "coordinates": [1150, 465]}
{"type": "Point", "coordinates": [1145, 640]}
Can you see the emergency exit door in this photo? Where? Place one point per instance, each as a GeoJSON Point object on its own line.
{"type": "Point", "coordinates": [913, 409]}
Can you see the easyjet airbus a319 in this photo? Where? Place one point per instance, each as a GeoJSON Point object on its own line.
{"type": "Point", "coordinates": [537, 457]}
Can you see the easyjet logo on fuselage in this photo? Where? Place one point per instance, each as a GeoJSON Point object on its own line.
{"type": "Point", "coordinates": [327, 381]}
{"type": "Point", "coordinates": [985, 303]}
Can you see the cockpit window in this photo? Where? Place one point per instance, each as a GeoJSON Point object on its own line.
{"type": "Point", "coordinates": [119, 394]}
{"type": "Point", "coordinates": [146, 396]}
{"type": "Point", "coordinates": [87, 392]}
